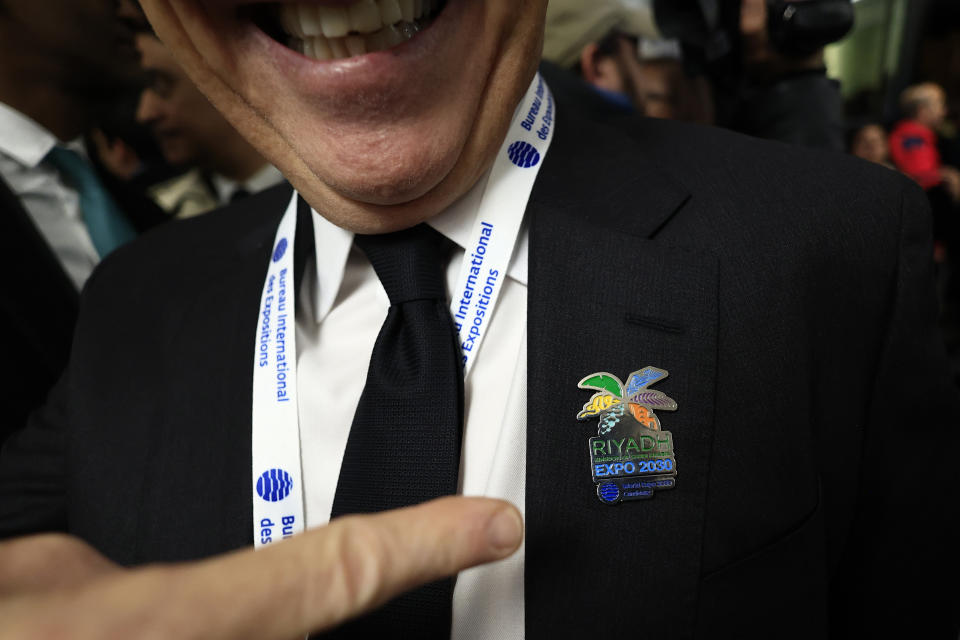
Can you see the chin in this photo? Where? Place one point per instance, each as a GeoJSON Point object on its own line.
{"type": "Point", "coordinates": [361, 215]}
{"type": "Point", "coordinates": [374, 141]}
{"type": "Point", "coordinates": [395, 171]}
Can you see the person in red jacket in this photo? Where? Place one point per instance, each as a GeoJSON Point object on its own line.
{"type": "Point", "coordinates": [913, 142]}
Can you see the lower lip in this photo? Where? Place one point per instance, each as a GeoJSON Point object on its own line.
{"type": "Point", "coordinates": [331, 76]}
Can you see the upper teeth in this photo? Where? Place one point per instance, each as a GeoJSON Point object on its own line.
{"type": "Point", "coordinates": [366, 25]}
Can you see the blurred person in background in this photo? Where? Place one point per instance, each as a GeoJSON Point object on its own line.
{"type": "Point", "coordinates": [913, 142]}
{"type": "Point", "coordinates": [595, 41]}
{"type": "Point", "coordinates": [914, 147]}
{"type": "Point", "coordinates": [869, 142]}
{"type": "Point", "coordinates": [192, 133]}
{"type": "Point", "coordinates": [128, 159]}
{"type": "Point", "coordinates": [665, 88]}
{"type": "Point", "coordinates": [123, 149]}
{"type": "Point", "coordinates": [60, 63]}
{"type": "Point", "coordinates": [761, 61]}
{"type": "Point", "coordinates": [612, 68]}
{"type": "Point", "coordinates": [783, 92]}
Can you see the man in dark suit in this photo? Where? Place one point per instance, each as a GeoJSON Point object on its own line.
{"type": "Point", "coordinates": [58, 64]}
{"type": "Point", "coordinates": [787, 293]}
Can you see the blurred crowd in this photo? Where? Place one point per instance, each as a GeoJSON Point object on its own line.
{"type": "Point", "coordinates": [103, 136]}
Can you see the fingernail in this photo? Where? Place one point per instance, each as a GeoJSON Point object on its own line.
{"type": "Point", "coordinates": [505, 530]}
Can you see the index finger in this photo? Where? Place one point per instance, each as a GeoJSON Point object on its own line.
{"type": "Point", "coordinates": [330, 575]}
{"type": "Point", "coordinates": [309, 583]}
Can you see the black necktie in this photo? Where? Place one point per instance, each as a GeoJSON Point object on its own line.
{"type": "Point", "coordinates": [404, 445]}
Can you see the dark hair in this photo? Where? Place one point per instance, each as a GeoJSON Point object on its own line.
{"type": "Point", "coordinates": [609, 46]}
{"type": "Point", "coordinates": [854, 130]}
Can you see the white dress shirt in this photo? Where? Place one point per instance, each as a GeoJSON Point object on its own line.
{"type": "Point", "coordinates": [341, 307]}
{"type": "Point", "coordinates": [53, 206]}
{"type": "Point", "coordinates": [264, 178]}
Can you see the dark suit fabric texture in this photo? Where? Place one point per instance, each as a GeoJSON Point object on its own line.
{"type": "Point", "coordinates": [39, 303]}
{"type": "Point", "coordinates": [788, 292]}
{"type": "Point", "coordinates": [38, 308]}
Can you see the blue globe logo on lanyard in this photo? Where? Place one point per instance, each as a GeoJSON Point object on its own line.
{"type": "Point", "coordinates": [280, 250]}
{"type": "Point", "coordinates": [523, 154]}
{"type": "Point", "coordinates": [274, 485]}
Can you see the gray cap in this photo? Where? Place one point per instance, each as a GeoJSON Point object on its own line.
{"type": "Point", "coordinates": [573, 24]}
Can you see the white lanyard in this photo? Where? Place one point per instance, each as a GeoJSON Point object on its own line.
{"type": "Point", "coordinates": [277, 477]}
{"type": "Point", "coordinates": [277, 485]}
{"type": "Point", "coordinates": [497, 223]}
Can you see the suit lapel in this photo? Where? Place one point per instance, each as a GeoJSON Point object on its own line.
{"type": "Point", "coordinates": [206, 425]}
{"type": "Point", "coordinates": [605, 296]}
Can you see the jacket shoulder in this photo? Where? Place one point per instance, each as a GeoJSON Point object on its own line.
{"type": "Point", "coordinates": [718, 155]}
{"type": "Point", "coordinates": [761, 182]}
{"type": "Point", "coordinates": [180, 248]}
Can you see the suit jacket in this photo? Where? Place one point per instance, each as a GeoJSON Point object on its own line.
{"type": "Point", "coordinates": [38, 308]}
{"type": "Point", "coordinates": [787, 292]}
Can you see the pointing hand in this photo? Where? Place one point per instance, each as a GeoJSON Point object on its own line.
{"type": "Point", "coordinates": [57, 586]}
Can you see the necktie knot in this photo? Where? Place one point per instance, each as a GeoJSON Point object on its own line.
{"type": "Point", "coordinates": [409, 263]}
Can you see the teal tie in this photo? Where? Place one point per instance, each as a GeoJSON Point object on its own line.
{"type": "Point", "coordinates": [107, 225]}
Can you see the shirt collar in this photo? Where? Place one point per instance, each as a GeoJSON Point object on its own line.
{"type": "Point", "coordinates": [22, 138]}
{"type": "Point", "coordinates": [264, 178]}
{"type": "Point", "coordinates": [333, 245]}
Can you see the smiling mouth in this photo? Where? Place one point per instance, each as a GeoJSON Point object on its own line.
{"type": "Point", "coordinates": [335, 32]}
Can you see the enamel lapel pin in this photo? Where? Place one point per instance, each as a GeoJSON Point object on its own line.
{"type": "Point", "coordinates": [631, 456]}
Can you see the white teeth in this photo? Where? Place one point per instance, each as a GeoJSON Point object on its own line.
{"type": "Point", "coordinates": [290, 20]}
{"type": "Point", "coordinates": [306, 47]}
{"type": "Point", "coordinates": [321, 49]}
{"type": "Point", "coordinates": [365, 26]}
{"type": "Point", "coordinates": [365, 16]}
{"type": "Point", "coordinates": [377, 41]}
{"type": "Point", "coordinates": [338, 48]}
{"type": "Point", "coordinates": [389, 11]}
{"type": "Point", "coordinates": [393, 36]}
{"type": "Point", "coordinates": [309, 20]}
{"type": "Point", "coordinates": [356, 45]}
{"type": "Point", "coordinates": [335, 21]}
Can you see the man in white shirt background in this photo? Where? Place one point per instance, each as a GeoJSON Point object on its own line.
{"type": "Point", "coordinates": [59, 62]}
{"type": "Point", "coordinates": [191, 133]}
